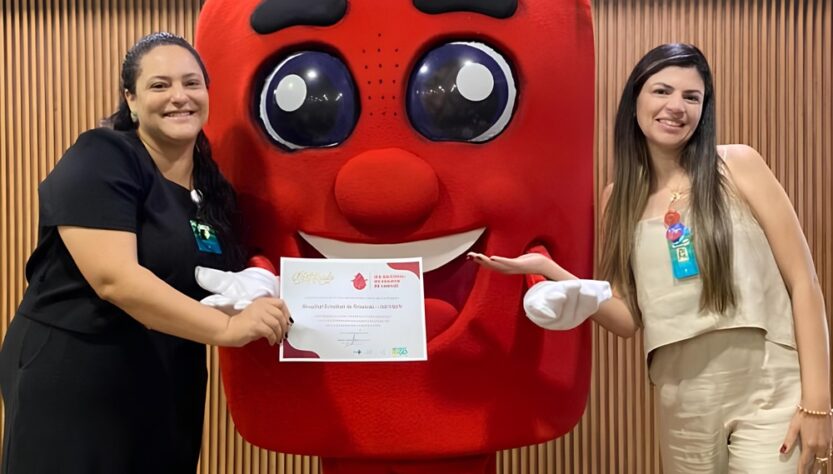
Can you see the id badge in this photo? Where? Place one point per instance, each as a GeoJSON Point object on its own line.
{"type": "Point", "coordinates": [683, 259]}
{"type": "Point", "coordinates": [206, 238]}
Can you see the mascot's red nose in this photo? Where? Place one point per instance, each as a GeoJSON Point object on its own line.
{"type": "Point", "coordinates": [384, 188]}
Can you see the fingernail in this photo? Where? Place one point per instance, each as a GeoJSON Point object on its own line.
{"type": "Point", "coordinates": [783, 448]}
{"type": "Point", "coordinates": [291, 320]}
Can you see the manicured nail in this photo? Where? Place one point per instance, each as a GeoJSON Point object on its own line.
{"type": "Point", "coordinates": [291, 320]}
{"type": "Point", "coordinates": [783, 448]}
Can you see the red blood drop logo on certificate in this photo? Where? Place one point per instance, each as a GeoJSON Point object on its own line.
{"type": "Point", "coordinates": [359, 282]}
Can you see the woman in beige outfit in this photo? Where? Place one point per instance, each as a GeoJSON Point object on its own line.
{"type": "Point", "coordinates": [704, 251]}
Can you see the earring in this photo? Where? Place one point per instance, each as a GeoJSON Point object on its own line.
{"type": "Point", "coordinates": [133, 117]}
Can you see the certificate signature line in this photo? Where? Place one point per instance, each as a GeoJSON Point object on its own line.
{"type": "Point", "coordinates": [360, 319]}
{"type": "Point", "coordinates": [353, 325]}
{"type": "Point", "coordinates": [353, 340]}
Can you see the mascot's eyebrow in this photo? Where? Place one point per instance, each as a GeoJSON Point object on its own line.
{"type": "Point", "coordinates": [273, 15]}
{"type": "Point", "coordinates": [493, 8]}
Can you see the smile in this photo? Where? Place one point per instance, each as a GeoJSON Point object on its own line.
{"type": "Point", "coordinates": [448, 275]}
{"type": "Point", "coordinates": [434, 252]}
{"type": "Point", "coordinates": [179, 114]}
{"type": "Point", "coordinates": [670, 123]}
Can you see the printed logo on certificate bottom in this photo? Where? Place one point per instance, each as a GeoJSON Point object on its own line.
{"type": "Point", "coordinates": [359, 282]}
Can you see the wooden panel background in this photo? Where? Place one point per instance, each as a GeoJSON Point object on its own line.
{"type": "Point", "coordinates": [773, 63]}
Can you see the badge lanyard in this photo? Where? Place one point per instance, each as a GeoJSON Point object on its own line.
{"type": "Point", "coordinates": [680, 243]}
{"type": "Point", "coordinates": [204, 235]}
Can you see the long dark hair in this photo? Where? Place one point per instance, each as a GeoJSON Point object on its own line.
{"type": "Point", "coordinates": [218, 207]}
{"type": "Point", "coordinates": [633, 175]}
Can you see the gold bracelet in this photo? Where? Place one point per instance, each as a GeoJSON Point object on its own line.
{"type": "Point", "coordinates": [801, 409]}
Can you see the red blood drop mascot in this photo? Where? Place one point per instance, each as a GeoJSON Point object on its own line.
{"type": "Point", "coordinates": [393, 128]}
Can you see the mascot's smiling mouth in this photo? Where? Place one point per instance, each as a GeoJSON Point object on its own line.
{"type": "Point", "coordinates": [448, 276]}
{"type": "Point", "coordinates": [434, 252]}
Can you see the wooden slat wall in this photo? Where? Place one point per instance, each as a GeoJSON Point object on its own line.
{"type": "Point", "coordinates": [773, 64]}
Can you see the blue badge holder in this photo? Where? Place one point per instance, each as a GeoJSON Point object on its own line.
{"type": "Point", "coordinates": [683, 258]}
{"type": "Point", "coordinates": [206, 238]}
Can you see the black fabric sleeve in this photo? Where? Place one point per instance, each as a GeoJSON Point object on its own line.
{"type": "Point", "coordinates": [100, 182]}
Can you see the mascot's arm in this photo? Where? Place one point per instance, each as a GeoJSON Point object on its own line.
{"type": "Point", "coordinates": [556, 299]}
{"type": "Point", "coordinates": [234, 291]}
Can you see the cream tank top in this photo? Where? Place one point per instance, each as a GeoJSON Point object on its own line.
{"type": "Point", "coordinates": [671, 308]}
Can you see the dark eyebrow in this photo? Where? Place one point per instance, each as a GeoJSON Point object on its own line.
{"type": "Point", "coordinates": [493, 8]}
{"type": "Point", "coordinates": [273, 15]}
{"type": "Point", "coordinates": [168, 78]}
{"type": "Point", "coordinates": [690, 91]}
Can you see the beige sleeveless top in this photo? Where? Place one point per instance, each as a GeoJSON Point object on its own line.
{"type": "Point", "coordinates": [671, 308]}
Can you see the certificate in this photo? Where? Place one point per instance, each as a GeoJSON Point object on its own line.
{"type": "Point", "coordinates": [351, 310]}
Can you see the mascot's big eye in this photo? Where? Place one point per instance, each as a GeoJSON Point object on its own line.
{"type": "Point", "coordinates": [461, 92]}
{"type": "Point", "coordinates": [309, 100]}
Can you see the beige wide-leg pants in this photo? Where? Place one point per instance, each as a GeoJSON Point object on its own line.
{"type": "Point", "coordinates": [724, 402]}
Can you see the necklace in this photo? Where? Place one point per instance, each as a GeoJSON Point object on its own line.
{"type": "Point", "coordinates": [196, 197]}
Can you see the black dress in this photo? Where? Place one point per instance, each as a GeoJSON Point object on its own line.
{"type": "Point", "coordinates": [88, 389]}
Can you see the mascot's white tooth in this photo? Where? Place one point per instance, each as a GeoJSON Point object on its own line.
{"type": "Point", "coordinates": [434, 252]}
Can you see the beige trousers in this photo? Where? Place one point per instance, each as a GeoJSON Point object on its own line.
{"type": "Point", "coordinates": [724, 402]}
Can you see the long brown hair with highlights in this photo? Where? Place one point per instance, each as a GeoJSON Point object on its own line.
{"type": "Point", "coordinates": [632, 176]}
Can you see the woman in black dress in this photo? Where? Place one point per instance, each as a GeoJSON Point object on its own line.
{"type": "Point", "coordinates": [103, 366]}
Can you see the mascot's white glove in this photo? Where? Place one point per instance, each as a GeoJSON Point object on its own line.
{"type": "Point", "coordinates": [563, 305]}
{"type": "Point", "coordinates": [233, 291]}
